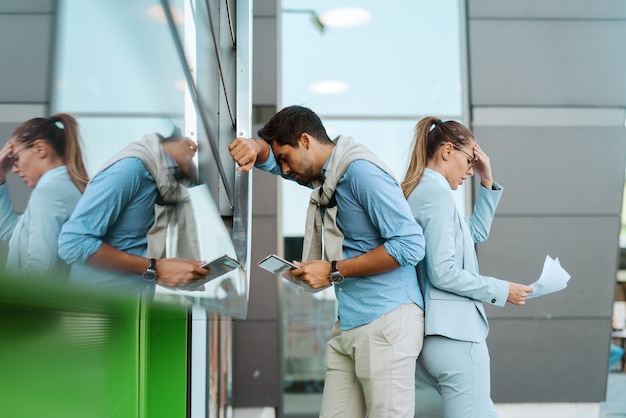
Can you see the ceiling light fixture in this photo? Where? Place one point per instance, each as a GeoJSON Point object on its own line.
{"type": "Point", "coordinates": [329, 87]}
{"type": "Point", "coordinates": [345, 17]}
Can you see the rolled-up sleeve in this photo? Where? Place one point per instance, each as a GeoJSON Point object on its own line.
{"type": "Point", "coordinates": [381, 196]}
{"type": "Point", "coordinates": [270, 165]}
{"type": "Point", "coordinates": [76, 245]}
{"type": "Point", "coordinates": [407, 246]}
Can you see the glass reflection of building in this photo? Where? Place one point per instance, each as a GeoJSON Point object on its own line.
{"type": "Point", "coordinates": [126, 69]}
{"type": "Point", "coordinates": [133, 68]}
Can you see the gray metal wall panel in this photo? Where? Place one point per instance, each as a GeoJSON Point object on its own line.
{"type": "Point", "coordinates": [25, 62]}
{"type": "Point", "coordinates": [265, 200]}
{"type": "Point", "coordinates": [563, 177]}
{"type": "Point", "coordinates": [265, 65]}
{"type": "Point", "coordinates": [563, 116]}
{"type": "Point", "coordinates": [557, 170]}
{"type": "Point", "coordinates": [256, 359]}
{"type": "Point", "coordinates": [266, 8]}
{"type": "Point", "coordinates": [5, 131]}
{"type": "Point", "coordinates": [27, 6]}
{"type": "Point", "coordinates": [263, 302]}
{"type": "Point", "coordinates": [257, 347]}
{"type": "Point", "coordinates": [547, 63]}
{"type": "Point", "coordinates": [561, 9]}
{"type": "Point", "coordinates": [586, 248]}
{"type": "Point", "coordinates": [562, 360]}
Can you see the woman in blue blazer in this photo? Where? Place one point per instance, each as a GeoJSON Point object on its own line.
{"type": "Point", "coordinates": [455, 355]}
{"type": "Point", "coordinates": [46, 154]}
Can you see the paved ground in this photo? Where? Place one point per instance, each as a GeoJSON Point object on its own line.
{"type": "Point", "coordinates": [615, 404]}
{"type": "Point", "coordinates": [613, 407]}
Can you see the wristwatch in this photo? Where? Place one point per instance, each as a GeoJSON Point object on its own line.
{"type": "Point", "coordinates": [151, 274]}
{"type": "Point", "coordinates": [335, 275]}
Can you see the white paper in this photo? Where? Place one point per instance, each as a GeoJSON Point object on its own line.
{"type": "Point", "coordinates": [553, 278]}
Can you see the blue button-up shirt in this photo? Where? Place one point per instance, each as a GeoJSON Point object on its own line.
{"type": "Point", "coordinates": [372, 211]}
{"type": "Point", "coordinates": [117, 208]}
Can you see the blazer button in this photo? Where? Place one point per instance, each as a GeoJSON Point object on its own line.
{"type": "Point", "coordinates": [493, 301]}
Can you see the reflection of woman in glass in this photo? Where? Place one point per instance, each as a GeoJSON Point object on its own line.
{"type": "Point", "coordinates": [45, 153]}
{"type": "Point", "coordinates": [455, 353]}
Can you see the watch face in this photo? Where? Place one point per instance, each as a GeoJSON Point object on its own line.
{"type": "Point", "coordinates": [336, 277]}
{"type": "Point", "coordinates": [150, 275]}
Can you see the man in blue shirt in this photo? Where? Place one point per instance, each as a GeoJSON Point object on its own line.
{"type": "Point", "coordinates": [106, 238]}
{"type": "Point", "coordinates": [371, 245]}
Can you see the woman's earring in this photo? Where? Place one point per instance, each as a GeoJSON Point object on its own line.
{"type": "Point", "coordinates": [445, 158]}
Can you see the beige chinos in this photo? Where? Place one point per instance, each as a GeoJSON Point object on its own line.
{"type": "Point", "coordinates": [360, 358]}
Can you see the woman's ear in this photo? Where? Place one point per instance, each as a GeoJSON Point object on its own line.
{"type": "Point", "coordinates": [41, 147]}
{"type": "Point", "coordinates": [446, 149]}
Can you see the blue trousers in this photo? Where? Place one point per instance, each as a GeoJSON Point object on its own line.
{"type": "Point", "coordinates": [460, 372]}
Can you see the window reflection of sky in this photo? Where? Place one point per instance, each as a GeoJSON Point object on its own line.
{"type": "Point", "coordinates": [403, 64]}
{"type": "Point", "coordinates": [117, 69]}
{"type": "Point", "coordinates": [112, 55]}
{"type": "Point", "coordinates": [405, 61]}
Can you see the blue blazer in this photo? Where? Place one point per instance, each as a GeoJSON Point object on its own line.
{"type": "Point", "coordinates": [448, 274]}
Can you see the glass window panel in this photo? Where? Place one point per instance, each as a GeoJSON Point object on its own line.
{"type": "Point", "coordinates": [117, 57]}
{"type": "Point", "coordinates": [103, 137]}
{"type": "Point", "coordinates": [373, 82]}
{"type": "Point", "coordinates": [119, 73]}
{"type": "Point", "coordinates": [405, 61]}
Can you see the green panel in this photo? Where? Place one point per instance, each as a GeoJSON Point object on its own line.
{"type": "Point", "coordinates": [166, 375]}
{"type": "Point", "coordinates": [65, 353]}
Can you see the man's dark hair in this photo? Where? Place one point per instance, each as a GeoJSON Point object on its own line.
{"type": "Point", "coordinates": [286, 126]}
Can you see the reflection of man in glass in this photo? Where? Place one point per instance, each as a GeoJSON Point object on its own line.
{"type": "Point", "coordinates": [374, 246]}
{"type": "Point", "coordinates": [106, 238]}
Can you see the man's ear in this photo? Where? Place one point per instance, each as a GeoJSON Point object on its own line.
{"type": "Point", "coordinates": [305, 140]}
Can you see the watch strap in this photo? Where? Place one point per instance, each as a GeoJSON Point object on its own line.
{"type": "Point", "coordinates": [151, 274]}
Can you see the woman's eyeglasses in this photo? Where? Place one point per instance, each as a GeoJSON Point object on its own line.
{"type": "Point", "coordinates": [471, 159]}
{"type": "Point", "coordinates": [14, 156]}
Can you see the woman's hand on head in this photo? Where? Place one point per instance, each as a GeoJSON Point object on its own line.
{"type": "Point", "coordinates": [5, 161]}
{"type": "Point", "coordinates": [483, 167]}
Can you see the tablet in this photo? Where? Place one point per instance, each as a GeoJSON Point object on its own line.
{"type": "Point", "coordinates": [218, 267]}
{"type": "Point", "coordinates": [280, 267]}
